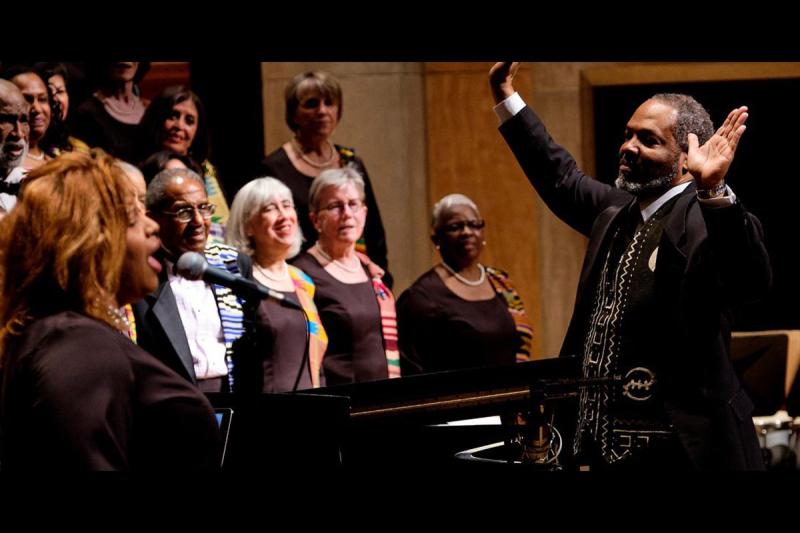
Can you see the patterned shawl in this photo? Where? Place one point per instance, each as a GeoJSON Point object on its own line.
{"type": "Point", "coordinates": [503, 286]}
{"type": "Point", "coordinates": [230, 306]}
{"type": "Point", "coordinates": [388, 315]}
{"type": "Point", "coordinates": [318, 339]}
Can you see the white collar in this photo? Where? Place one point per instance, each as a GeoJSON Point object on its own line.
{"type": "Point", "coordinates": [16, 175]}
{"type": "Point", "coordinates": [649, 209]}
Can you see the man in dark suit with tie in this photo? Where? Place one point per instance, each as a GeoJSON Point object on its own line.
{"type": "Point", "coordinates": [671, 251]}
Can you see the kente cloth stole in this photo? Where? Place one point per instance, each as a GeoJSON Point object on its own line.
{"type": "Point", "coordinates": [388, 315]}
{"type": "Point", "coordinates": [503, 286]}
{"type": "Point", "coordinates": [318, 338]}
{"type": "Point", "coordinates": [229, 305]}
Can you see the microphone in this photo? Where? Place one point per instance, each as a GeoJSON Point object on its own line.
{"type": "Point", "coordinates": [194, 266]}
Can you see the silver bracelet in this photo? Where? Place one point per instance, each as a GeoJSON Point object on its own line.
{"type": "Point", "coordinates": [714, 192]}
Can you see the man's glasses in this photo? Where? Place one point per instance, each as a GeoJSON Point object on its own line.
{"type": "Point", "coordinates": [337, 208]}
{"type": "Point", "coordinates": [458, 227]}
{"type": "Point", "coordinates": [186, 214]}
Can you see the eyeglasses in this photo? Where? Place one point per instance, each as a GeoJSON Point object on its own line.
{"type": "Point", "coordinates": [313, 102]}
{"type": "Point", "coordinates": [186, 214]}
{"type": "Point", "coordinates": [458, 227]}
{"type": "Point", "coordinates": [337, 208]}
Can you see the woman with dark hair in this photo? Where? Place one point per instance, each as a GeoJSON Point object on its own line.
{"type": "Point", "coordinates": [76, 393]}
{"type": "Point", "coordinates": [313, 110]}
{"type": "Point", "coordinates": [109, 119]}
{"type": "Point", "coordinates": [58, 135]}
{"type": "Point", "coordinates": [165, 159]}
{"type": "Point", "coordinates": [176, 120]}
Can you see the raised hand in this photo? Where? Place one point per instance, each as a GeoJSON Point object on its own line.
{"type": "Point", "coordinates": [709, 163]}
{"type": "Point", "coordinates": [500, 77]}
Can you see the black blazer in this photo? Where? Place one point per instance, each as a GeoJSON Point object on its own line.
{"type": "Point", "coordinates": [159, 329]}
{"type": "Point", "coordinates": [709, 260]}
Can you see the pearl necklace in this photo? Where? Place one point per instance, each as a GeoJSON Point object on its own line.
{"type": "Point", "coordinates": [464, 280]}
{"type": "Point", "coordinates": [264, 272]}
{"type": "Point", "coordinates": [338, 263]}
{"type": "Point", "coordinates": [314, 164]}
{"type": "Point", "coordinates": [118, 317]}
{"type": "Point", "coordinates": [39, 157]}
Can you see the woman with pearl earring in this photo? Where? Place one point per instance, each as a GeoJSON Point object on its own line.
{"type": "Point", "coordinates": [461, 313]}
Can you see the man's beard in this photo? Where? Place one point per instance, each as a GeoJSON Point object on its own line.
{"type": "Point", "coordinates": [639, 185]}
{"type": "Point", "coordinates": [10, 164]}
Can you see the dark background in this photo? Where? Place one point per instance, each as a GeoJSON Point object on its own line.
{"type": "Point", "coordinates": [763, 174]}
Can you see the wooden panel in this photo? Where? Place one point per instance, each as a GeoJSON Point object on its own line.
{"type": "Point", "coordinates": [162, 75]}
{"type": "Point", "coordinates": [466, 154]}
{"type": "Point", "coordinates": [383, 119]}
{"type": "Point", "coordinates": [630, 74]}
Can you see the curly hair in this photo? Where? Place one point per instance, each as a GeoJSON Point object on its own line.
{"type": "Point", "coordinates": [692, 118]}
{"type": "Point", "coordinates": [63, 245]}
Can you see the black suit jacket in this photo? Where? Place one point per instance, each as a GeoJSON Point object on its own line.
{"type": "Point", "coordinates": [709, 260]}
{"type": "Point", "coordinates": [159, 329]}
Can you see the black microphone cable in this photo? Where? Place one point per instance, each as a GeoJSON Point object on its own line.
{"type": "Point", "coordinates": [305, 361]}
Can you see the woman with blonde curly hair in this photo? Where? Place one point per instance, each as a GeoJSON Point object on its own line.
{"type": "Point", "coordinates": [76, 393]}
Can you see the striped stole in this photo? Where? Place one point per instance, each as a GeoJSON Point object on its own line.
{"type": "Point", "coordinates": [318, 338]}
{"type": "Point", "coordinates": [503, 286]}
{"type": "Point", "coordinates": [230, 306]}
{"type": "Point", "coordinates": [388, 315]}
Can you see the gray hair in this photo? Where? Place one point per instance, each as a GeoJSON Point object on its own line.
{"type": "Point", "coordinates": [692, 118]}
{"type": "Point", "coordinates": [129, 170]}
{"type": "Point", "coordinates": [156, 189]}
{"type": "Point", "coordinates": [335, 177]}
{"type": "Point", "coordinates": [247, 203]}
{"type": "Point", "coordinates": [447, 203]}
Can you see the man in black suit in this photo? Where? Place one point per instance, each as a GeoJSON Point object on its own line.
{"type": "Point", "coordinates": [671, 251]}
{"type": "Point", "coordinates": [190, 325]}
{"type": "Point", "coordinates": [14, 129]}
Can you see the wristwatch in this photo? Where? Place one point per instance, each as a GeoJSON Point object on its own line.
{"type": "Point", "coordinates": [714, 192]}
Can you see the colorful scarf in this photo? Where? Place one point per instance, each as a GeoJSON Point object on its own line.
{"type": "Point", "coordinates": [388, 315]}
{"type": "Point", "coordinates": [503, 286]}
{"type": "Point", "coordinates": [230, 306]}
{"type": "Point", "coordinates": [318, 338]}
{"type": "Point", "coordinates": [220, 217]}
{"type": "Point", "coordinates": [131, 333]}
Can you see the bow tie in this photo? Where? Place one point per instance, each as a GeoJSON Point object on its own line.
{"type": "Point", "coordinates": [10, 188]}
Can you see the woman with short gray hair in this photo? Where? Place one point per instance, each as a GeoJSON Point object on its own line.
{"type": "Point", "coordinates": [461, 314]}
{"type": "Point", "coordinates": [356, 307]}
{"type": "Point", "coordinates": [271, 356]}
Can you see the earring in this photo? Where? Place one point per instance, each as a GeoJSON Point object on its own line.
{"type": "Point", "coordinates": [438, 247]}
{"type": "Point", "coordinates": [484, 243]}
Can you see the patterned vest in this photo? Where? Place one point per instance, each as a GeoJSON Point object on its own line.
{"type": "Point", "coordinates": [624, 418]}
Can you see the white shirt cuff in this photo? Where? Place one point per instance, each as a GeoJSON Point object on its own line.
{"type": "Point", "coordinates": [509, 107]}
{"type": "Point", "coordinates": [727, 199]}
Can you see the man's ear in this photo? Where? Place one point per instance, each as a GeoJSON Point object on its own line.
{"type": "Point", "coordinates": [683, 166]}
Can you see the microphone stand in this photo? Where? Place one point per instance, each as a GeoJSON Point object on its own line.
{"type": "Point", "coordinates": [305, 362]}
{"type": "Point", "coordinates": [537, 438]}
